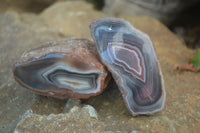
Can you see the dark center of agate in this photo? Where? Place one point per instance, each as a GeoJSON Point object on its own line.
{"type": "Point", "coordinates": [128, 57]}
{"type": "Point", "coordinates": [53, 73]}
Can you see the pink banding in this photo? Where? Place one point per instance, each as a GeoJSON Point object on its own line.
{"type": "Point", "coordinates": [129, 57]}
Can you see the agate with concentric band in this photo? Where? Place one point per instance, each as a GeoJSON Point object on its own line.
{"type": "Point", "coordinates": [66, 68]}
{"type": "Point", "coordinates": [130, 56]}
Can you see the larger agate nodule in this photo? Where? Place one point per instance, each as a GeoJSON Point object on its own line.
{"type": "Point", "coordinates": [67, 68]}
{"type": "Point", "coordinates": [130, 56]}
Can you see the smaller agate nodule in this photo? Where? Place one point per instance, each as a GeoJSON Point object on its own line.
{"type": "Point", "coordinates": [130, 56]}
{"type": "Point", "coordinates": [66, 68]}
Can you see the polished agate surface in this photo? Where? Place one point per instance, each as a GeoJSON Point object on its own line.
{"type": "Point", "coordinates": [67, 68]}
{"type": "Point", "coordinates": [130, 56]}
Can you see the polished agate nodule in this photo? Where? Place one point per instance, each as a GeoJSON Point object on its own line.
{"type": "Point", "coordinates": [67, 68]}
{"type": "Point", "coordinates": [130, 56]}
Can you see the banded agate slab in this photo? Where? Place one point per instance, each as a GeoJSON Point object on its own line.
{"type": "Point", "coordinates": [130, 56]}
{"type": "Point", "coordinates": [66, 68]}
